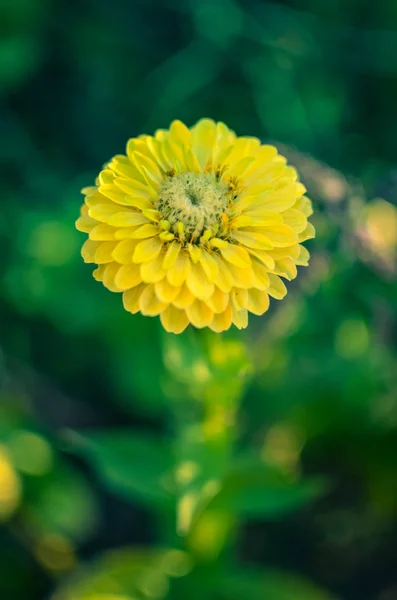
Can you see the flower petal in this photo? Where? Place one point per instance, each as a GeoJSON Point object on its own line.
{"type": "Point", "coordinates": [258, 301]}
{"type": "Point", "coordinates": [124, 251]}
{"type": "Point", "coordinates": [281, 235]}
{"type": "Point", "coordinates": [174, 320]}
{"type": "Point", "coordinates": [218, 301]}
{"type": "Point", "coordinates": [171, 254]}
{"type": "Point", "coordinates": [104, 253]}
{"type": "Point", "coordinates": [295, 219]}
{"type": "Point", "coordinates": [198, 283]}
{"type": "Point", "coordinates": [131, 298]}
{"type": "Point", "coordinates": [277, 288]}
{"type": "Point", "coordinates": [222, 321]}
{"type": "Point", "coordinates": [147, 250]}
{"type": "Point", "coordinates": [308, 233]}
{"type": "Point", "coordinates": [236, 255]}
{"type": "Point", "coordinates": [179, 270]}
{"type": "Point", "coordinates": [149, 303]}
{"type": "Point", "coordinates": [209, 265]}
{"type": "Point", "coordinates": [184, 298]}
{"type": "Point", "coordinates": [127, 218]}
{"type": "Point", "coordinates": [152, 270]}
{"type": "Point", "coordinates": [303, 258]}
{"type": "Point", "coordinates": [199, 314]}
{"type": "Point", "coordinates": [103, 233]}
{"type": "Point", "coordinates": [128, 276]}
{"type": "Point", "coordinates": [257, 241]}
{"type": "Point", "coordinates": [109, 276]}
{"type": "Point", "coordinates": [165, 291]}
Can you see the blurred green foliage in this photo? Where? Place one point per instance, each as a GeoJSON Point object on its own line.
{"type": "Point", "coordinates": [107, 490]}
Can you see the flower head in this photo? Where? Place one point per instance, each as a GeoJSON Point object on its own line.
{"type": "Point", "coordinates": [197, 226]}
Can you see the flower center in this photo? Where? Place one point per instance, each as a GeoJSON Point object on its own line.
{"type": "Point", "coordinates": [196, 200]}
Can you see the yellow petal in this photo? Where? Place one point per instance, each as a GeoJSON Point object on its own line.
{"type": "Point", "coordinates": [258, 301]}
{"type": "Point", "coordinates": [203, 138]}
{"type": "Point", "coordinates": [165, 291]}
{"type": "Point", "coordinates": [281, 235]}
{"type": "Point", "coordinates": [218, 301]}
{"type": "Point", "coordinates": [95, 199]}
{"type": "Point", "coordinates": [286, 267]}
{"type": "Point", "coordinates": [128, 276]}
{"type": "Point", "coordinates": [103, 212]}
{"type": "Point", "coordinates": [136, 193]}
{"type": "Point", "coordinates": [277, 288]}
{"type": "Point", "coordinates": [127, 218]}
{"type": "Point", "coordinates": [88, 251]}
{"type": "Point", "coordinates": [85, 224]}
{"type": "Point", "coordinates": [222, 321]}
{"type": "Point", "coordinates": [303, 258]}
{"type": "Point", "coordinates": [288, 251]}
{"type": "Point", "coordinates": [264, 257]}
{"type": "Point", "coordinates": [225, 279]}
{"type": "Point", "coordinates": [261, 277]}
{"type": "Point", "coordinates": [171, 254]}
{"type": "Point", "coordinates": [106, 176]}
{"type": "Point", "coordinates": [209, 265]}
{"type": "Point", "coordinates": [152, 271]}
{"type": "Point", "coordinates": [239, 317]}
{"type": "Point", "coordinates": [240, 298]}
{"type": "Point", "coordinates": [178, 271]}
{"type": "Point", "coordinates": [144, 232]}
{"type": "Point", "coordinates": [304, 205]}
{"type": "Point", "coordinates": [103, 233]}
{"type": "Point", "coordinates": [174, 320]}
{"type": "Point", "coordinates": [131, 298]}
{"type": "Point", "coordinates": [184, 298]}
{"type": "Point", "coordinates": [198, 283]}
{"type": "Point", "coordinates": [180, 133]}
{"type": "Point", "coordinates": [104, 253]}
{"type": "Point", "coordinates": [113, 193]}
{"type": "Point", "coordinates": [149, 304]}
{"type": "Point", "coordinates": [124, 251]}
{"type": "Point", "coordinates": [199, 314]}
{"type": "Point", "coordinates": [295, 219]}
{"type": "Point", "coordinates": [109, 275]}
{"type": "Point", "coordinates": [147, 250]}
{"type": "Point", "coordinates": [123, 167]}
{"type": "Point", "coordinates": [243, 278]}
{"type": "Point", "coordinates": [89, 191]}
{"type": "Point", "coordinates": [236, 255]}
{"type": "Point", "coordinates": [98, 273]}
{"type": "Point", "coordinates": [253, 240]}
{"type": "Point", "coordinates": [308, 233]}
{"type": "Point", "coordinates": [195, 252]}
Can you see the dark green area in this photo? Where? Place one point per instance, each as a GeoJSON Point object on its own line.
{"type": "Point", "coordinates": [318, 514]}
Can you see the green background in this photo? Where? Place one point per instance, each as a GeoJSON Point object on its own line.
{"type": "Point", "coordinates": [318, 79]}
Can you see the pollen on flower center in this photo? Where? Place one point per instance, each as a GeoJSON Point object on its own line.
{"type": "Point", "coordinates": [196, 200]}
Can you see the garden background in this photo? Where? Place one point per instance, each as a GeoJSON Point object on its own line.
{"type": "Point", "coordinates": [319, 80]}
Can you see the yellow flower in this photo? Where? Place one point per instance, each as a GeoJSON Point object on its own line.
{"type": "Point", "coordinates": [197, 226]}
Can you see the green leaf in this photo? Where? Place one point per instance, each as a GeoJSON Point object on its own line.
{"type": "Point", "coordinates": [254, 489]}
{"type": "Point", "coordinates": [125, 574]}
{"type": "Point", "coordinates": [133, 464]}
{"type": "Point", "coordinates": [269, 584]}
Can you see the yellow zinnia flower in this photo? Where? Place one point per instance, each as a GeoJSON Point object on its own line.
{"type": "Point", "coordinates": [196, 225]}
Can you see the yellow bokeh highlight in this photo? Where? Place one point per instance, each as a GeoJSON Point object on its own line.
{"type": "Point", "coordinates": [381, 225]}
{"type": "Point", "coordinates": [10, 486]}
